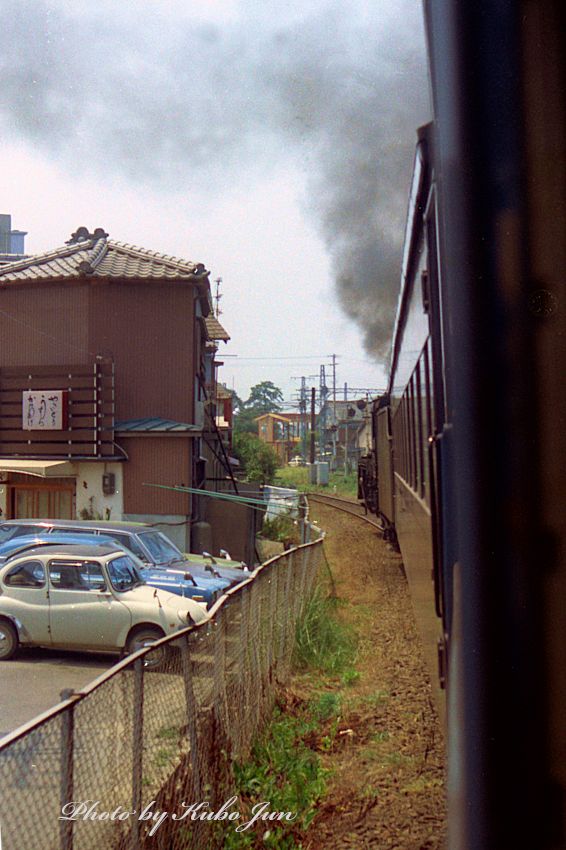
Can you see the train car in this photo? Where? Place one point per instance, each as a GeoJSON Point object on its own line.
{"type": "Point", "coordinates": [410, 420]}
{"type": "Point", "coordinates": [470, 441]}
{"type": "Point", "coordinates": [498, 73]}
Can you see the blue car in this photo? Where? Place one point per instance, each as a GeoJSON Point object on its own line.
{"type": "Point", "coordinates": [151, 546]}
{"type": "Point", "coordinates": [181, 582]}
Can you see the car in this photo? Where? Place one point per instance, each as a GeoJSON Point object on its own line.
{"type": "Point", "coordinates": [85, 597]}
{"type": "Point", "coordinates": [182, 582]}
{"type": "Point", "coordinates": [151, 546]}
{"type": "Point", "coordinates": [297, 461]}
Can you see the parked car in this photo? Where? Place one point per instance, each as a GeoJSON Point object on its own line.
{"type": "Point", "coordinates": [151, 546]}
{"type": "Point", "coordinates": [206, 589]}
{"type": "Point", "coordinates": [297, 461]}
{"type": "Point", "coordinates": [85, 597]}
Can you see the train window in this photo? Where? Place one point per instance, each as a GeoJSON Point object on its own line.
{"type": "Point", "coordinates": [412, 435]}
{"type": "Point", "coordinates": [405, 438]}
{"type": "Point", "coordinates": [427, 420]}
{"type": "Point", "coordinates": [420, 430]}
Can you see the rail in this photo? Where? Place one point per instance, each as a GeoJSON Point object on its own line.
{"type": "Point", "coordinates": [345, 505]}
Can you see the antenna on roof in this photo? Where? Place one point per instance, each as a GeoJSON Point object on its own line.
{"type": "Point", "coordinates": [217, 297]}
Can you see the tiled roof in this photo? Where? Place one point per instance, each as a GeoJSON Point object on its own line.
{"type": "Point", "coordinates": [94, 255]}
{"type": "Point", "coordinates": [153, 424]}
{"type": "Point", "coordinates": [215, 330]}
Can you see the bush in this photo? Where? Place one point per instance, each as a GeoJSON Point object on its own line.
{"type": "Point", "coordinates": [282, 528]}
{"type": "Point", "coordinates": [259, 461]}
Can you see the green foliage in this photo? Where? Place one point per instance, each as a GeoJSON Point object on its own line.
{"type": "Point", "coordinates": [286, 772]}
{"type": "Point", "coordinates": [259, 461]}
{"type": "Point", "coordinates": [264, 397]}
{"type": "Point", "coordinates": [244, 422]}
{"type": "Point", "coordinates": [339, 484]}
{"type": "Point", "coordinates": [322, 641]}
{"type": "Point", "coordinates": [285, 766]}
{"type": "Point", "coordinates": [282, 528]}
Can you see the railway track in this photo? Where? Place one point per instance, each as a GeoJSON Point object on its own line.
{"type": "Point", "coordinates": [345, 505]}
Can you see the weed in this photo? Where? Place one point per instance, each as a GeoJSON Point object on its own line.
{"type": "Point", "coordinates": [379, 737]}
{"type": "Point", "coordinates": [322, 641]}
{"type": "Point", "coordinates": [283, 529]}
{"type": "Point", "coordinates": [339, 484]}
{"type": "Point", "coordinates": [162, 757]}
{"type": "Point", "coordinates": [284, 771]}
{"type": "Point", "coordinates": [349, 676]}
{"type": "Point", "coordinates": [168, 733]}
{"type": "Point", "coordinates": [327, 706]}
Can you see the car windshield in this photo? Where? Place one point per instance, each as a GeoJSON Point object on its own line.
{"type": "Point", "coordinates": [123, 573]}
{"type": "Point", "coordinates": [161, 549]}
{"type": "Point", "coordinates": [7, 532]}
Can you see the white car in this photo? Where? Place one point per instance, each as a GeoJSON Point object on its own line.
{"type": "Point", "coordinates": [86, 597]}
{"type": "Point", "coordinates": [297, 461]}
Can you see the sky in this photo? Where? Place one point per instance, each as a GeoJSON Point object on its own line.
{"type": "Point", "coordinates": [271, 141]}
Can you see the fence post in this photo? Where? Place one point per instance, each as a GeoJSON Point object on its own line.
{"type": "Point", "coordinates": [188, 670]}
{"type": "Point", "coordinates": [137, 754]}
{"type": "Point", "coordinates": [67, 742]}
{"type": "Point", "coordinates": [245, 671]}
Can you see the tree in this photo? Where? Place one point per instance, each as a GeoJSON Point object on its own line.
{"type": "Point", "coordinates": [265, 397]}
{"type": "Point", "coordinates": [259, 461]}
{"type": "Point", "coordinates": [244, 422]}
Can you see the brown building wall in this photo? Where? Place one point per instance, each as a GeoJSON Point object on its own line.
{"type": "Point", "coordinates": [149, 330]}
{"type": "Point", "coordinates": [156, 460]}
{"type": "Point", "coordinates": [44, 325]}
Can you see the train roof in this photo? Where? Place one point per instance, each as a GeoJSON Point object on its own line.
{"type": "Point", "coordinates": [418, 197]}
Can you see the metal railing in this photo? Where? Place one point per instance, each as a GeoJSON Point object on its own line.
{"type": "Point", "coordinates": [124, 758]}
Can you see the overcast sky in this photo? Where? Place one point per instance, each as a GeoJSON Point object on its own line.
{"type": "Point", "coordinates": [271, 141]}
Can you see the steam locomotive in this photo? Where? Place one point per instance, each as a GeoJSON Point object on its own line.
{"type": "Point", "coordinates": [466, 468]}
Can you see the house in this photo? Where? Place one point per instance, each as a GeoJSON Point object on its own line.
{"type": "Point", "coordinates": [282, 432]}
{"type": "Point", "coordinates": [11, 241]}
{"type": "Point", "coordinates": [108, 385]}
{"type": "Point", "coordinates": [339, 423]}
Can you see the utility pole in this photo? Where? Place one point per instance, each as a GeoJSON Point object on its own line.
{"type": "Point", "coordinates": [335, 423]}
{"type": "Point", "coordinates": [323, 390]}
{"type": "Point", "coordinates": [313, 423]}
{"type": "Point", "coordinates": [217, 297]}
{"type": "Point", "coordinates": [303, 405]}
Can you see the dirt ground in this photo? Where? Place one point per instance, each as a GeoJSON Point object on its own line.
{"type": "Point", "coordinates": [386, 789]}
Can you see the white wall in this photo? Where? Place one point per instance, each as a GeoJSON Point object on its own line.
{"type": "Point", "coordinates": [89, 487]}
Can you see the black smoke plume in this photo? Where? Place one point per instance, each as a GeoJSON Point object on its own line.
{"type": "Point", "coordinates": [159, 97]}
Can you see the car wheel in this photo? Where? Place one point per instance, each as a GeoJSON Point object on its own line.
{"type": "Point", "coordinates": [8, 640]}
{"type": "Point", "coordinates": [145, 637]}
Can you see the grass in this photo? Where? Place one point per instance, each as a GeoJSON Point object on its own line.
{"type": "Point", "coordinates": [340, 484]}
{"type": "Point", "coordinates": [282, 528]}
{"type": "Point", "coordinates": [322, 642]}
{"type": "Point", "coordinates": [285, 765]}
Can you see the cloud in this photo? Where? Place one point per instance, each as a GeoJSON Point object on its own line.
{"type": "Point", "coordinates": [149, 92]}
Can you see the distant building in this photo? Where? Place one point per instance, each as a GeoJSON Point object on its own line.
{"type": "Point", "coordinates": [281, 431]}
{"type": "Point", "coordinates": [342, 421]}
{"type": "Point", "coordinates": [11, 241]}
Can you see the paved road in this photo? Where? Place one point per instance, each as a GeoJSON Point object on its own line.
{"type": "Point", "coordinates": [33, 680]}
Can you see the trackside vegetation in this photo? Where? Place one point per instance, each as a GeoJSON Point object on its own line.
{"type": "Point", "coordinates": [339, 484]}
{"type": "Point", "coordinates": [285, 765]}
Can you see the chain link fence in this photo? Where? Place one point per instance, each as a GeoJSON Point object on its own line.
{"type": "Point", "coordinates": [125, 758]}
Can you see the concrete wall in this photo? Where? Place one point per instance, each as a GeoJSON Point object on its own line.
{"type": "Point", "coordinates": [89, 495]}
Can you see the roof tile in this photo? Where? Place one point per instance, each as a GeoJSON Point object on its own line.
{"type": "Point", "coordinates": [105, 258]}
